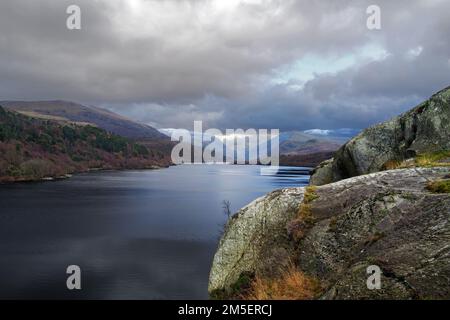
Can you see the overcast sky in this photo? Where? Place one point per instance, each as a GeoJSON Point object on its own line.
{"type": "Point", "coordinates": [232, 63]}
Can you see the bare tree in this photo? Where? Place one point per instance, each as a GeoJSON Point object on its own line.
{"type": "Point", "coordinates": [226, 205]}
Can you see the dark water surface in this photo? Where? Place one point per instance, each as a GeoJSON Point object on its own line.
{"type": "Point", "coordinates": [134, 234]}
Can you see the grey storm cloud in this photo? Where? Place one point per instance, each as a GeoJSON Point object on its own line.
{"type": "Point", "coordinates": [293, 65]}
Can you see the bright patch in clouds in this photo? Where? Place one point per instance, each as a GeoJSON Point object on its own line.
{"type": "Point", "coordinates": [229, 5]}
{"type": "Point", "coordinates": [313, 65]}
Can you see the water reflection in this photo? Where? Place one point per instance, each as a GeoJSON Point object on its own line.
{"type": "Point", "coordinates": [135, 234]}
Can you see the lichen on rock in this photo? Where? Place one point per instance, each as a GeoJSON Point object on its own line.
{"type": "Point", "coordinates": [388, 219]}
{"type": "Point", "coordinates": [253, 237]}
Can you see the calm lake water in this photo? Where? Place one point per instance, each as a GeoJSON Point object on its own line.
{"type": "Point", "coordinates": [134, 234]}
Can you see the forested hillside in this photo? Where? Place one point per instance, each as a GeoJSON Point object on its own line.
{"type": "Point", "coordinates": [33, 149]}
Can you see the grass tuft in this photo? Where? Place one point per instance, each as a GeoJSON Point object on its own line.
{"type": "Point", "coordinates": [433, 159]}
{"type": "Point", "coordinates": [290, 285]}
{"type": "Point", "coordinates": [310, 194]}
{"type": "Point", "coordinates": [392, 165]}
{"type": "Point", "coordinates": [439, 186]}
{"type": "Point", "coordinates": [298, 226]}
{"type": "Point", "coordinates": [427, 160]}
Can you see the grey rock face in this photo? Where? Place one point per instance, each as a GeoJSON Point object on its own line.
{"type": "Point", "coordinates": [386, 219]}
{"type": "Point", "coordinates": [323, 174]}
{"type": "Point", "coordinates": [254, 235]}
{"type": "Point", "coordinates": [426, 128]}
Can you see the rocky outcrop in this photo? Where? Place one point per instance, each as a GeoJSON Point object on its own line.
{"type": "Point", "coordinates": [424, 129]}
{"type": "Point", "coordinates": [256, 232]}
{"type": "Point", "coordinates": [388, 219]}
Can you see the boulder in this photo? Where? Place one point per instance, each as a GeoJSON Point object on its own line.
{"type": "Point", "coordinates": [387, 219]}
{"type": "Point", "coordinates": [253, 236]}
{"type": "Point", "coordinates": [424, 129]}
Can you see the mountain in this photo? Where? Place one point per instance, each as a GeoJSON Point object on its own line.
{"type": "Point", "coordinates": [342, 134]}
{"type": "Point", "coordinates": [308, 149]}
{"type": "Point", "coordinates": [419, 134]}
{"type": "Point", "coordinates": [33, 149]}
{"type": "Point", "coordinates": [65, 111]}
{"type": "Point", "coordinates": [300, 143]}
{"type": "Point", "coordinates": [296, 147]}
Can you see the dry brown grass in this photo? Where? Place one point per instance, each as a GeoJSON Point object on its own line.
{"type": "Point", "coordinates": [291, 285]}
{"type": "Point", "coordinates": [392, 165]}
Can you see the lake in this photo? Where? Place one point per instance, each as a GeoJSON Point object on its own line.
{"type": "Point", "coordinates": [135, 234]}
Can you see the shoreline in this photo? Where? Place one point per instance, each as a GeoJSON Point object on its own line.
{"type": "Point", "coordinates": [153, 167]}
{"type": "Point", "coordinates": [70, 175]}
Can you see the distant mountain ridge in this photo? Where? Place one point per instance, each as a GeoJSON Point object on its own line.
{"type": "Point", "coordinates": [301, 143]}
{"type": "Point", "coordinates": [60, 110]}
{"type": "Point", "coordinates": [297, 148]}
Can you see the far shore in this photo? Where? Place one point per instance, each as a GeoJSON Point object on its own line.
{"type": "Point", "coordinates": [13, 180]}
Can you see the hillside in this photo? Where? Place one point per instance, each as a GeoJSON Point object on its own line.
{"type": "Point", "coordinates": [305, 160]}
{"type": "Point", "coordinates": [32, 149]}
{"type": "Point", "coordinates": [65, 111]}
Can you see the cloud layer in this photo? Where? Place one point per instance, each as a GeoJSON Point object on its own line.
{"type": "Point", "coordinates": [237, 63]}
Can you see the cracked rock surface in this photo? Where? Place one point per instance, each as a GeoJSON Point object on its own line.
{"type": "Point", "coordinates": [387, 219]}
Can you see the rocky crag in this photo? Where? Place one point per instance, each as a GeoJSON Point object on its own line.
{"type": "Point", "coordinates": [424, 129]}
{"type": "Point", "coordinates": [388, 219]}
{"type": "Point", "coordinates": [397, 220]}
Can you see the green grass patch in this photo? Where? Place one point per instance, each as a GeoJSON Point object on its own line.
{"type": "Point", "coordinates": [439, 186]}
{"type": "Point", "coordinates": [433, 159]}
{"type": "Point", "coordinates": [427, 160]}
{"type": "Point", "coordinates": [310, 194]}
